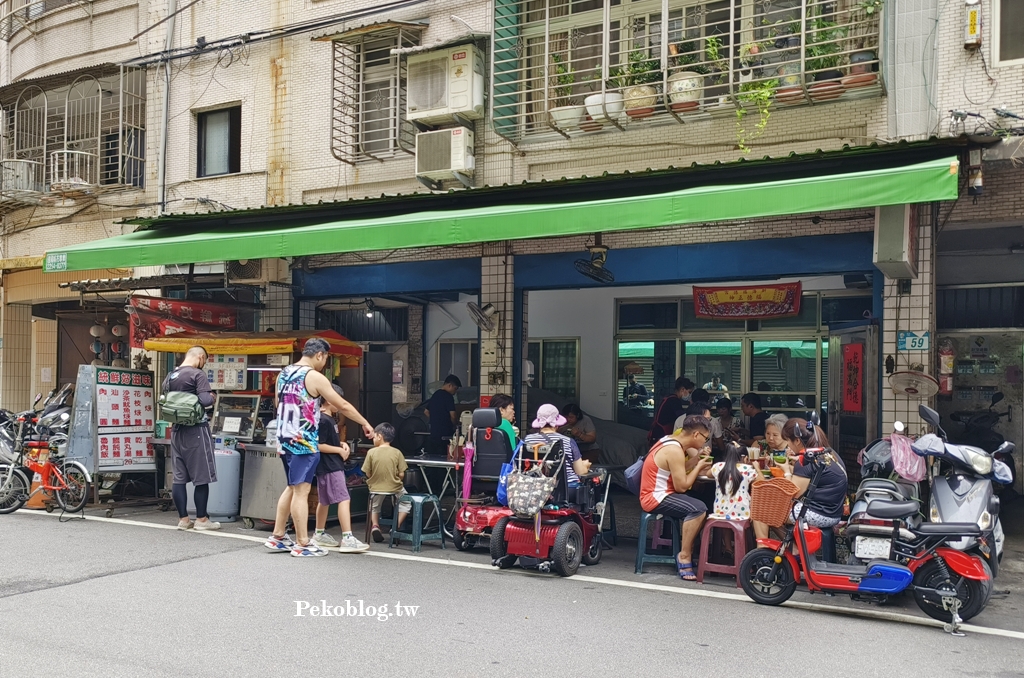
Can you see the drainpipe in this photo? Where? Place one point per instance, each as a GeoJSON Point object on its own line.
{"type": "Point", "coordinates": [172, 8]}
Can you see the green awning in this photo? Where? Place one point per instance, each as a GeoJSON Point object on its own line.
{"type": "Point", "coordinates": [924, 182]}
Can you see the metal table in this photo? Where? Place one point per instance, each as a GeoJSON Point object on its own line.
{"type": "Point", "coordinates": [451, 480]}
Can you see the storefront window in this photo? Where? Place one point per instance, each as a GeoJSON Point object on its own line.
{"type": "Point", "coordinates": [556, 365]}
{"type": "Point", "coordinates": [649, 316]}
{"type": "Point", "coordinates": [845, 309]}
{"type": "Point", "coordinates": [715, 366]}
{"type": "Point", "coordinates": [785, 375]}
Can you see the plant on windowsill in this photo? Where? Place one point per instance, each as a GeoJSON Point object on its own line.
{"type": "Point", "coordinates": [638, 90]}
{"type": "Point", "coordinates": [686, 83]}
{"type": "Point", "coordinates": [824, 57]}
{"type": "Point", "coordinates": [603, 106]}
{"type": "Point", "coordinates": [565, 114]}
{"type": "Point", "coordinates": [864, 62]}
{"type": "Point", "coordinates": [756, 95]}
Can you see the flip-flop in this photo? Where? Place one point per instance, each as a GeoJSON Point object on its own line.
{"type": "Point", "coordinates": [686, 571]}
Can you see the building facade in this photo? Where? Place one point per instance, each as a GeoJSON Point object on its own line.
{"type": "Point", "coordinates": [158, 110]}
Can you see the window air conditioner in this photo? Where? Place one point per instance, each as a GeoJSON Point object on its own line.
{"type": "Point", "coordinates": [445, 154]}
{"type": "Point", "coordinates": [444, 84]}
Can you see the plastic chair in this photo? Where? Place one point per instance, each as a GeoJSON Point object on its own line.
{"type": "Point", "coordinates": [743, 540]}
{"type": "Point", "coordinates": [643, 555]}
{"type": "Point", "coordinates": [417, 536]}
{"type": "Point", "coordinates": [383, 521]}
{"type": "Point", "coordinates": [658, 538]}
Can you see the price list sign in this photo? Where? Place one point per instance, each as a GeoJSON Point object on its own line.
{"type": "Point", "coordinates": [125, 415]}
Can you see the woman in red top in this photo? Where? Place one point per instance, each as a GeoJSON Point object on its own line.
{"type": "Point", "coordinates": [669, 471]}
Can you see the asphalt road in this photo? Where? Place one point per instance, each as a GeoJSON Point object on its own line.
{"type": "Point", "coordinates": [94, 598]}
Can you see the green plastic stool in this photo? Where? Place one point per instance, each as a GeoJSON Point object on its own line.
{"type": "Point", "coordinates": [417, 536]}
{"type": "Point", "coordinates": [642, 555]}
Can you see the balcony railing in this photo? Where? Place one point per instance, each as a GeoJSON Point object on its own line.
{"type": "Point", "coordinates": [575, 67]}
{"type": "Point", "coordinates": [73, 172]}
{"type": "Point", "coordinates": [16, 14]}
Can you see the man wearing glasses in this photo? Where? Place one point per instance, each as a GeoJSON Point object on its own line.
{"type": "Point", "coordinates": [670, 470]}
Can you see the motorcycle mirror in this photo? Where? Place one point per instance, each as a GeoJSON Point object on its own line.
{"type": "Point", "coordinates": [39, 396]}
{"type": "Point", "coordinates": [898, 427]}
{"type": "Point", "coordinates": [815, 419]}
{"type": "Point", "coordinates": [929, 415]}
{"type": "Point", "coordinates": [997, 398]}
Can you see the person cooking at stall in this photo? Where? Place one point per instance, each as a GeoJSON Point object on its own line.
{"type": "Point", "coordinates": [825, 507]}
{"type": "Point", "coordinates": [507, 409]}
{"type": "Point", "coordinates": [634, 394]}
{"type": "Point", "coordinates": [440, 409]}
{"type": "Point", "coordinates": [580, 428]}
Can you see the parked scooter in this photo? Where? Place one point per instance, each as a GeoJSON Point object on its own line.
{"type": "Point", "coordinates": [961, 489]}
{"type": "Point", "coordinates": [979, 430]}
{"type": "Point", "coordinates": [948, 585]}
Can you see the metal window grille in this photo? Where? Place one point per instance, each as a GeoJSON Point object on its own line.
{"type": "Point", "coordinates": [17, 14]}
{"type": "Point", "coordinates": [662, 61]}
{"type": "Point", "coordinates": [369, 95]}
{"type": "Point", "coordinates": [84, 136]}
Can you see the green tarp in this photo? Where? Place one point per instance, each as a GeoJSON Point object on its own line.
{"type": "Point", "coordinates": [924, 182]}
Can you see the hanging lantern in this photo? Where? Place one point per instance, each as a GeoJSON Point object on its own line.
{"type": "Point", "coordinates": [118, 363]}
{"type": "Point", "coordinates": [97, 330]}
{"type": "Point", "coordinates": [97, 347]}
{"type": "Point", "coordinates": [119, 331]}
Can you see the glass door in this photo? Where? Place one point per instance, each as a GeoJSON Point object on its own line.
{"type": "Point", "coordinates": [785, 375]}
{"type": "Point", "coordinates": [716, 366]}
{"type": "Point", "coordinates": [646, 374]}
{"type": "Point", "coordinates": [853, 393]}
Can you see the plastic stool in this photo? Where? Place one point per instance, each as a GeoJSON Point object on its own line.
{"type": "Point", "coordinates": [642, 555]}
{"type": "Point", "coordinates": [742, 541]}
{"type": "Point", "coordinates": [383, 520]}
{"type": "Point", "coordinates": [658, 538]}
{"type": "Point", "coordinates": [418, 535]}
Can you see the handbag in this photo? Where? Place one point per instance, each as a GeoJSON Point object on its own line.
{"type": "Point", "coordinates": [527, 492]}
{"type": "Point", "coordinates": [506, 470]}
{"type": "Point", "coordinates": [633, 475]}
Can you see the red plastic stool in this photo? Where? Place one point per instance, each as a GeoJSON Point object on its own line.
{"type": "Point", "coordinates": [658, 538]}
{"type": "Point", "coordinates": [743, 540]}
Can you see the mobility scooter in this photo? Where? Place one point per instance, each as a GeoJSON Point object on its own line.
{"type": "Point", "coordinates": [560, 531]}
{"type": "Point", "coordinates": [477, 515]}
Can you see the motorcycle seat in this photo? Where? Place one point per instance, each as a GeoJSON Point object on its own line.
{"type": "Point", "coordinates": [892, 509]}
{"type": "Point", "coordinates": [949, 529]}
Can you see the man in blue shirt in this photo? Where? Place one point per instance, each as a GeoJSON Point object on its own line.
{"type": "Point", "coordinates": [441, 411]}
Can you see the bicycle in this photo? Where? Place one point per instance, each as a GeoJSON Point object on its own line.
{"type": "Point", "coordinates": [67, 480]}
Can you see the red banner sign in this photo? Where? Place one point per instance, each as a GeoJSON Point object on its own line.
{"type": "Point", "coordinates": [853, 377]}
{"type": "Point", "coordinates": [159, 317]}
{"type": "Point", "coordinates": [747, 303]}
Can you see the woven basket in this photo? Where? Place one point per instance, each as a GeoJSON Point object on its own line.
{"type": "Point", "coordinates": [771, 501]}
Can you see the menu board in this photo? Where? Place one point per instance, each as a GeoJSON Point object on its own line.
{"type": "Point", "coordinates": [113, 419]}
{"type": "Point", "coordinates": [227, 372]}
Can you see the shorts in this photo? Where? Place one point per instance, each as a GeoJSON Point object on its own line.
{"type": "Point", "coordinates": [682, 507]}
{"type": "Point", "coordinates": [192, 457]}
{"type": "Point", "coordinates": [300, 468]}
{"type": "Point", "coordinates": [332, 488]}
{"type": "Point", "coordinates": [377, 501]}
{"type": "Point", "coordinates": [812, 517]}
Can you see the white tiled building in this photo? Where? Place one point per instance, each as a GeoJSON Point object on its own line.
{"type": "Point", "coordinates": [302, 101]}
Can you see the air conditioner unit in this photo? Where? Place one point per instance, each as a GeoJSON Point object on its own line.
{"type": "Point", "coordinates": [445, 154]}
{"type": "Point", "coordinates": [445, 84]}
{"type": "Point", "coordinates": [255, 271]}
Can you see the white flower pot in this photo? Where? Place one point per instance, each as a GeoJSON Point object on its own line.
{"type": "Point", "coordinates": [598, 105]}
{"type": "Point", "coordinates": [685, 87]}
{"type": "Point", "coordinates": [566, 117]}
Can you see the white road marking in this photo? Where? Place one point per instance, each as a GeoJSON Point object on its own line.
{"type": "Point", "coordinates": [867, 613]}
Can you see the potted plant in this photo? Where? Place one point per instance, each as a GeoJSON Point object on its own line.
{"type": "Point", "coordinates": [639, 93]}
{"type": "Point", "coordinates": [565, 114]}
{"type": "Point", "coordinates": [756, 95]}
{"type": "Point", "coordinates": [864, 62]}
{"type": "Point", "coordinates": [824, 56]}
{"type": "Point", "coordinates": [686, 85]}
{"type": "Point", "coordinates": [607, 105]}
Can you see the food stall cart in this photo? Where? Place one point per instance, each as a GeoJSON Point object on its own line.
{"type": "Point", "coordinates": [243, 370]}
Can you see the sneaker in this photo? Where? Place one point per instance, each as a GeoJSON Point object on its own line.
{"type": "Point", "coordinates": [377, 535]}
{"type": "Point", "coordinates": [310, 550]}
{"type": "Point", "coordinates": [279, 544]}
{"type": "Point", "coordinates": [323, 539]}
{"type": "Point", "coordinates": [185, 524]}
{"type": "Point", "coordinates": [206, 525]}
{"type": "Point", "coordinates": [349, 544]}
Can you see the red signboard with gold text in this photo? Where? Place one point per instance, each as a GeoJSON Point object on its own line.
{"type": "Point", "coordinates": [747, 303]}
{"type": "Point", "coordinates": [853, 377]}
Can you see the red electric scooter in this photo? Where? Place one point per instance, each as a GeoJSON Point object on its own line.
{"type": "Point", "coordinates": [948, 585]}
